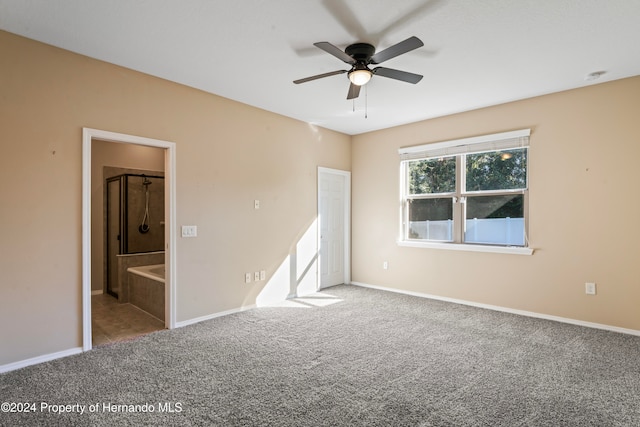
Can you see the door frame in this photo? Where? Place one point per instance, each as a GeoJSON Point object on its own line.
{"type": "Point", "coordinates": [88, 135]}
{"type": "Point", "coordinates": [347, 223]}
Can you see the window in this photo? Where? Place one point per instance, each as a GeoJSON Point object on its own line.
{"type": "Point", "coordinates": [471, 191]}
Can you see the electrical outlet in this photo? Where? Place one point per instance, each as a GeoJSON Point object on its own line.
{"type": "Point", "coordinates": [256, 276]}
{"type": "Point", "coordinates": [590, 288]}
{"type": "Point", "coordinates": [247, 278]}
{"type": "Point", "coordinates": [263, 275]}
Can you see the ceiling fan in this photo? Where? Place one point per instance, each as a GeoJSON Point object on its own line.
{"type": "Point", "coordinates": [360, 56]}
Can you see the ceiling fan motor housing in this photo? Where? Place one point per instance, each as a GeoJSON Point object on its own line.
{"type": "Point", "coordinates": [361, 52]}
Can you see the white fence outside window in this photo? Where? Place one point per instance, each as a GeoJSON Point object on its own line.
{"type": "Point", "coordinates": [431, 230]}
{"type": "Point", "coordinates": [493, 231]}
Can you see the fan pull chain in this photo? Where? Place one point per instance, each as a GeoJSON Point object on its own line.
{"type": "Point", "coordinates": [366, 92]}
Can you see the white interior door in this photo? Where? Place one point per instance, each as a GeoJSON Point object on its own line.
{"type": "Point", "coordinates": [333, 218]}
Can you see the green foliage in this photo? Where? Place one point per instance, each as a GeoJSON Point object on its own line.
{"type": "Point", "coordinates": [497, 170]}
{"type": "Point", "coordinates": [432, 176]}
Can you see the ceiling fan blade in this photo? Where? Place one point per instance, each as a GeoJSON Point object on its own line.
{"type": "Point", "coordinates": [397, 49]}
{"type": "Point", "coordinates": [354, 91]}
{"type": "Point", "coordinates": [335, 51]}
{"type": "Point", "coordinates": [319, 76]}
{"type": "Point", "coordinates": [397, 74]}
{"type": "Point", "coordinates": [413, 15]}
{"type": "Point", "coordinates": [345, 17]}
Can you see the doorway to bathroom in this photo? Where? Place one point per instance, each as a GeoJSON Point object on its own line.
{"type": "Point", "coordinates": [128, 224]}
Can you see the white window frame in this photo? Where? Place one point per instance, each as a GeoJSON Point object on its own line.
{"type": "Point", "coordinates": [459, 148]}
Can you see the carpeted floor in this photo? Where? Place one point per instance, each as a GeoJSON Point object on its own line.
{"type": "Point", "coordinates": [348, 356]}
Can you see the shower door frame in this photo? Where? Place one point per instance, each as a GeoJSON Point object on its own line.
{"type": "Point", "coordinates": [108, 279]}
{"type": "Point", "coordinates": [88, 135]}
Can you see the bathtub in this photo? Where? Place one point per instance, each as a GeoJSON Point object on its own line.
{"type": "Point", "coordinates": [153, 272]}
{"type": "Point", "coordinates": [146, 289]}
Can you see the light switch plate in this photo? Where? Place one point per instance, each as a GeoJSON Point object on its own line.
{"type": "Point", "coordinates": [189, 231]}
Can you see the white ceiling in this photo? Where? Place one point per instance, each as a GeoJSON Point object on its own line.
{"type": "Point", "coordinates": [476, 53]}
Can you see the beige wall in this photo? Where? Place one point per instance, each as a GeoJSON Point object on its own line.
{"type": "Point", "coordinates": [126, 156]}
{"type": "Point", "coordinates": [228, 154]}
{"type": "Point", "coordinates": [584, 209]}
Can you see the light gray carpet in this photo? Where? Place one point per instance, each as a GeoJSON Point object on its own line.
{"type": "Point", "coordinates": [348, 357]}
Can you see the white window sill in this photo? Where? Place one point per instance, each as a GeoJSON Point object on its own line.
{"type": "Point", "coordinates": [517, 250]}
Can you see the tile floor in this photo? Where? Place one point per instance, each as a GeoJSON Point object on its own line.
{"type": "Point", "coordinates": [112, 321]}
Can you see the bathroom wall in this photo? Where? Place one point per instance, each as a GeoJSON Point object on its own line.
{"type": "Point", "coordinates": [228, 154]}
{"type": "Point", "coordinates": [153, 238]}
{"type": "Point", "coordinates": [110, 159]}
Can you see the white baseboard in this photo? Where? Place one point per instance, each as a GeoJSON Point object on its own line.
{"type": "Point", "coordinates": [213, 316]}
{"type": "Point", "coordinates": [60, 354]}
{"type": "Point", "coordinates": [506, 310]}
{"type": "Point", "coordinates": [39, 359]}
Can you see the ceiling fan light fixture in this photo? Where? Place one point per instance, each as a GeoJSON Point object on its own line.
{"type": "Point", "coordinates": [360, 77]}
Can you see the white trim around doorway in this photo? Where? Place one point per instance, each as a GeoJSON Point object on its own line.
{"type": "Point", "coordinates": [88, 135]}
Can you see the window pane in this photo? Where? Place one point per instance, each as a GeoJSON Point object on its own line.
{"type": "Point", "coordinates": [432, 176]}
{"type": "Point", "coordinates": [431, 219]}
{"type": "Point", "coordinates": [497, 220]}
{"type": "Point", "coordinates": [497, 170]}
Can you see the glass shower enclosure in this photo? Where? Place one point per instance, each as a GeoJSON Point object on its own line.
{"type": "Point", "coordinates": [134, 220]}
